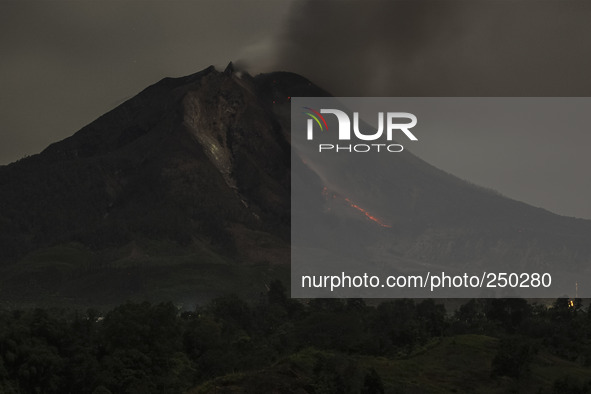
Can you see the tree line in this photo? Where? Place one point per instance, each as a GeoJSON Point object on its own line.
{"type": "Point", "coordinates": [157, 348]}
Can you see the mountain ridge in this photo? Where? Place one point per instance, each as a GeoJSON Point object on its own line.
{"type": "Point", "coordinates": [190, 180]}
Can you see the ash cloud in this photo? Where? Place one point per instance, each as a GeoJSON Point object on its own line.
{"type": "Point", "coordinates": [441, 48]}
{"type": "Point", "coordinates": [462, 48]}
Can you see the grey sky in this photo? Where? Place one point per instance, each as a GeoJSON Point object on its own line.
{"type": "Point", "coordinates": [66, 63]}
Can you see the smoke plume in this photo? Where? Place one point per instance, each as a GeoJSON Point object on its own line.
{"type": "Point", "coordinates": [441, 48]}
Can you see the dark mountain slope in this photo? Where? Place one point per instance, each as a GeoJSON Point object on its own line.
{"type": "Point", "coordinates": [185, 189]}
{"type": "Point", "coordinates": [436, 217]}
{"type": "Point", "coordinates": [142, 169]}
{"type": "Point", "coordinates": [197, 162]}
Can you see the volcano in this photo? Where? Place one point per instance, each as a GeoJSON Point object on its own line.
{"type": "Point", "coordinates": [188, 182]}
{"type": "Point", "coordinates": [183, 193]}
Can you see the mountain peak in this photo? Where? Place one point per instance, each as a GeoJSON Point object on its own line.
{"type": "Point", "coordinates": [199, 167]}
{"type": "Point", "coordinates": [229, 69]}
{"type": "Point", "coordinates": [202, 144]}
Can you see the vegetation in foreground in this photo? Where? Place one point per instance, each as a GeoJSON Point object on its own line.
{"type": "Point", "coordinates": [282, 345]}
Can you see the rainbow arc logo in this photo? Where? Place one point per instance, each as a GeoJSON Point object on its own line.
{"type": "Point", "coordinates": [317, 117]}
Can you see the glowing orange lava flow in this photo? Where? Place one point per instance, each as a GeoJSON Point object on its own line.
{"type": "Point", "coordinates": [367, 214]}
{"type": "Point", "coordinates": [330, 195]}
